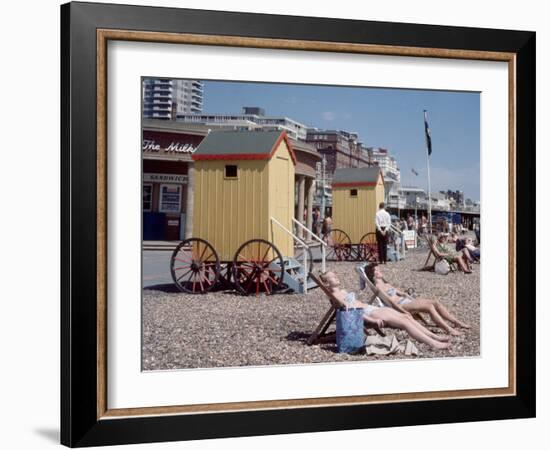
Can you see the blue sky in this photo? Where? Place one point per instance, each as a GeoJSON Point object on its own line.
{"type": "Point", "coordinates": [388, 118]}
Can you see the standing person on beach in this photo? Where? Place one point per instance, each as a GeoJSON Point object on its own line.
{"type": "Point", "coordinates": [315, 220]}
{"type": "Point", "coordinates": [423, 224]}
{"type": "Point", "coordinates": [327, 228]}
{"type": "Point", "coordinates": [410, 222]}
{"type": "Point", "coordinates": [383, 224]}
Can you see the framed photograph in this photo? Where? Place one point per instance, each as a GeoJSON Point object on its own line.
{"type": "Point", "coordinates": [273, 224]}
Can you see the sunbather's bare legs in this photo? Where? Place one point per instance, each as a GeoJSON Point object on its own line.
{"type": "Point", "coordinates": [444, 312]}
{"type": "Point", "coordinates": [436, 311]}
{"type": "Point", "coordinates": [395, 319]}
{"type": "Point", "coordinates": [462, 263]}
{"type": "Point", "coordinates": [423, 329]}
{"type": "Point", "coordinates": [467, 255]}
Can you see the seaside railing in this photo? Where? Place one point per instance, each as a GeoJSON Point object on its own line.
{"type": "Point", "coordinates": [305, 248]}
{"type": "Point", "coordinates": [316, 238]}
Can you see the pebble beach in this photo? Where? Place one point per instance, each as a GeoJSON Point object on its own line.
{"type": "Point", "coordinates": [224, 329]}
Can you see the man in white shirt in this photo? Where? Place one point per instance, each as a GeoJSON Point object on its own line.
{"type": "Point", "coordinates": [383, 224]}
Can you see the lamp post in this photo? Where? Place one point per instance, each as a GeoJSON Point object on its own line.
{"type": "Point", "coordinates": [415, 210]}
{"type": "Point", "coordinates": [323, 185]}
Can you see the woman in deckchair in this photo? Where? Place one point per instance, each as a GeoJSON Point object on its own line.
{"type": "Point", "coordinates": [461, 258]}
{"type": "Point", "coordinates": [400, 300]}
{"type": "Point", "coordinates": [385, 317]}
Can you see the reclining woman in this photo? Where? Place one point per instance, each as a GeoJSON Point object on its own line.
{"type": "Point", "coordinates": [461, 258]}
{"type": "Point", "coordinates": [385, 317]}
{"type": "Point", "coordinates": [474, 252]}
{"type": "Point", "coordinates": [402, 302]}
{"type": "Point", "coordinates": [467, 243]}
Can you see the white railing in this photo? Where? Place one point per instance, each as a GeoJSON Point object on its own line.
{"type": "Point", "coordinates": [304, 247]}
{"type": "Point", "coordinates": [318, 239]}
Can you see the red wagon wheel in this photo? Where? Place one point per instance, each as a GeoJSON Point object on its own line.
{"type": "Point", "coordinates": [369, 247]}
{"type": "Point", "coordinates": [195, 266]}
{"type": "Point", "coordinates": [339, 244]}
{"type": "Point", "coordinates": [258, 267]}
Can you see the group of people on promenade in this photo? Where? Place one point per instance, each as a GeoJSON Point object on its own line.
{"type": "Point", "coordinates": [464, 253]}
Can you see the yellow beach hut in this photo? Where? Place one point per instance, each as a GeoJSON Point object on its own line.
{"type": "Point", "coordinates": [356, 194]}
{"type": "Point", "coordinates": [242, 179]}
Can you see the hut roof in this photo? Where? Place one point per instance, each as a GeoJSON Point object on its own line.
{"type": "Point", "coordinates": [367, 176]}
{"type": "Point", "coordinates": [233, 145]}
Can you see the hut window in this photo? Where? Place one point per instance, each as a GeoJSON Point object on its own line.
{"type": "Point", "coordinates": [353, 192]}
{"type": "Point", "coordinates": [230, 171]}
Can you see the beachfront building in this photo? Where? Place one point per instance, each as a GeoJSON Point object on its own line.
{"type": "Point", "coordinates": [341, 149]}
{"type": "Point", "coordinates": [382, 158]}
{"type": "Point", "coordinates": [165, 98]}
{"type": "Point", "coordinates": [394, 199]}
{"type": "Point", "coordinates": [251, 118]}
{"type": "Point", "coordinates": [440, 201]}
{"type": "Point", "coordinates": [414, 196]}
{"type": "Point", "coordinates": [455, 197]}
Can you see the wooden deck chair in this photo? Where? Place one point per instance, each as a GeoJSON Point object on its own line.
{"type": "Point", "coordinates": [437, 256]}
{"type": "Point", "coordinates": [382, 295]}
{"type": "Point", "coordinates": [320, 333]}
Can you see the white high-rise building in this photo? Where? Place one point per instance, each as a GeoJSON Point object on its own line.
{"type": "Point", "coordinates": [165, 98]}
{"type": "Point", "coordinates": [387, 163]}
{"type": "Point", "coordinates": [251, 118]}
{"type": "Point", "coordinates": [392, 175]}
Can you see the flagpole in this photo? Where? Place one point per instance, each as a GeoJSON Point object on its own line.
{"type": "Point", "coordinates": [429, 182]}
{"type": "Point", "coordinates": [429, 194]}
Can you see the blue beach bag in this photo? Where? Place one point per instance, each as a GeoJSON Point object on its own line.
{"type": "Point", "coordinates": [350, 334]}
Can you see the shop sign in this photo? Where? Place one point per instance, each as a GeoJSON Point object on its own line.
{"type": "Point", "coordinates": [150, 145]}
{"type": "Point", "coordinates": [164, 178]}
{"type": "Point", "coordinates": [410, 238]}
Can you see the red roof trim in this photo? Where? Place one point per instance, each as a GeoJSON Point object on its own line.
{"type": "Point", "coordinates": [289, 146]}
{"type": "Point", "coordinates": [360, 183]}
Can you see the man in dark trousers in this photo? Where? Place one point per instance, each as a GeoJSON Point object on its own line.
{"type": "Point", "coordinates": [383, 224]}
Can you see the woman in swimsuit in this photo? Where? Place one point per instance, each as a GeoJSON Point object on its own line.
{"type": "Point", "coordinates": [385, 317]}
{"type": "Point", "coordinates": [401, 301]}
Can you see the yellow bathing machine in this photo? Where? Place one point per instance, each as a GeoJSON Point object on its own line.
{"type": "Point", "coordinates": [356, 194]}
{"type": "Point", "coordinates": [242, 215]}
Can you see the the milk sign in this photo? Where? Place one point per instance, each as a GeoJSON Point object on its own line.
{"type": "Point", "coordinates": [150, 145]}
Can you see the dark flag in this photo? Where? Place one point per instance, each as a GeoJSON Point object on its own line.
{"type": "Point", "coordinates": [414, 171]}
{"type": "Point", "coordinates": [428, 134]}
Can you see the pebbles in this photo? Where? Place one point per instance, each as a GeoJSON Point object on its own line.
{"type": "Point", "coordinates": [222, 329]}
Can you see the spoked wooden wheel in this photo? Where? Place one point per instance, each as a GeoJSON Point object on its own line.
{"type": "Point", "coordinates": [195, 266]}
{"type": "Point", "coordinates": [369, 247]}
{"type": "Point", "coordinates": [258, 267]}
{"type": "Point", "coordinates": [339, 245]}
